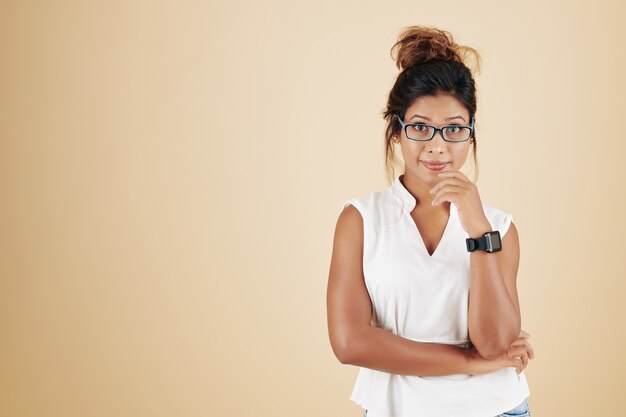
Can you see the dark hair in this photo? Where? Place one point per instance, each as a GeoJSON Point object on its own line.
{"type": "Point", "coordinates": [430, 62]}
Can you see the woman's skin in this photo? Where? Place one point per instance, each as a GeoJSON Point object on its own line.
{"type": "Point", "coordinates": [493, 317]}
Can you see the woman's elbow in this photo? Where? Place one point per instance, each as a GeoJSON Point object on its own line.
{"type": "Point", "coordinates": [345, 347]}
{"type": "Point", "coordinates": [491, 353]}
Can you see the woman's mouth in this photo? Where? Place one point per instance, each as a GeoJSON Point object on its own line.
{"type": "Point", "coordinates": [434, 166]}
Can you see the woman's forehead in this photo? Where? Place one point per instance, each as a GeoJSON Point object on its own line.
{"type": "Point", "coordinates": [437, 107]}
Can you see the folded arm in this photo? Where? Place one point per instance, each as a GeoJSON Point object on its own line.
{"type": "Point", "coordinates": [353, 339]}
{"type": "Point", "coordinates": [494, 319]}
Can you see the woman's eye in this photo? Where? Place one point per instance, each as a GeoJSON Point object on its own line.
{"type": "Point", "coordinates": [453, 129]}
{"type": "Point", "coordinates": [420, 128]}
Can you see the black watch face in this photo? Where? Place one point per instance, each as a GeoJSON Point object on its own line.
{"type": "Point", "coordinates": [494, 243]}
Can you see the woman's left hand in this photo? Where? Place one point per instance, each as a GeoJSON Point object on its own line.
{"type": "Point", "coordinates": [456, 188]}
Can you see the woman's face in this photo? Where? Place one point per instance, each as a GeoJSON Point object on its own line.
{"type": "Point", "coordinates": [439, 110]}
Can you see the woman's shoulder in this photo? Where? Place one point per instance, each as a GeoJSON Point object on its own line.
{"type": "Point", "coordinates": [377, 207]}
{"type": "Point", "coordinates": [495, 210]}
{"type": "Point", "coordinates": [499, 218]}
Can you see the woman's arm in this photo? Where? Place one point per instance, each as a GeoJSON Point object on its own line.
{"type": "Point", "coordinates": [494, 319]}
{"type": "Point", "coordinates": [353, 339]}
{"type": "Point", "coordinates": [376, 348]}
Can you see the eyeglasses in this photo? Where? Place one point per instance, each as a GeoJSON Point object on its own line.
{"type": "Point", "coordinates": [424, 132]}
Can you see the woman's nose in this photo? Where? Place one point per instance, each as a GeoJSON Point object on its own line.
{"type": "Point", "coordinates": [437, 141]}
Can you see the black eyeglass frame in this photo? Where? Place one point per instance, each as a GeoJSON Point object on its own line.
{"type": "Point", "coordinates": [435, 129]}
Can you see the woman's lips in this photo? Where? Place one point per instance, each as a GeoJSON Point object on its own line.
{"type": "Point", "coordinates": [433, 166]}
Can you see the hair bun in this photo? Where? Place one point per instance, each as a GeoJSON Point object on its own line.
{"type": "Point", "coordinates": [418, 44]}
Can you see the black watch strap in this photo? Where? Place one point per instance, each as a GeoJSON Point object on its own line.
{"type": "Point", "coordinates": [482, 243]}
{"type": "Point", "coordinates": [478, 243]}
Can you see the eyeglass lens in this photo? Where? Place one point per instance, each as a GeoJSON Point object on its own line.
{"type": "Point", "coordinates": [425, 132]}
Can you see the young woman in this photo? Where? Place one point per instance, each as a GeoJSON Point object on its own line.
{"type": "Point", "coordinates": [422, 285]}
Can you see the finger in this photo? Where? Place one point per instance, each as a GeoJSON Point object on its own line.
{"type": "Point", "coordinates": [516, 363]}
{"type": "Point", "coordinates": [517, 351]}
{"type": "Point", "coordinates": [449, 196]}
{"type": "Point", "coordinates": [524, 361]}
{"type": "Point", "coordinates": [520, 341]}
{"type": "Point", "coordinates": [450, 188]}
{"type": "Point", "coordinates": [454, 174]}
{"type": "Point", "coordinates": [447, 181]}
{"type": "Point", "coordinates": [520, 361]}
{"type": "Point", "coordinates": [524, 342]}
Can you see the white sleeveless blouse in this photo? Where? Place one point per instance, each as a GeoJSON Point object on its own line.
{"type": "Point", "coordinates": [424, 298]}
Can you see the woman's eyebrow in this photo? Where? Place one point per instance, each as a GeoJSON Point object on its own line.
{"type": "Point", "coordinates": [424, 117]}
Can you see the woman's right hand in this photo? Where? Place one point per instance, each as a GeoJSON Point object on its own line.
{"type": "Point", "coordinates": [517, 356]}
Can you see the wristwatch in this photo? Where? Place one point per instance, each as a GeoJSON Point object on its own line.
{"type": "Point", "coordinates": [489, 242]}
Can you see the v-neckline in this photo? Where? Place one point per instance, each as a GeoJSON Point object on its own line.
{"type": "Point", "coordinates": [442, 240]}
{"type": "Point", "coordinates": [409, 203]}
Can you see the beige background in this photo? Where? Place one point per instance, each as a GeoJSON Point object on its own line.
{"type": "Point", "coordinates": [171, 174]}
